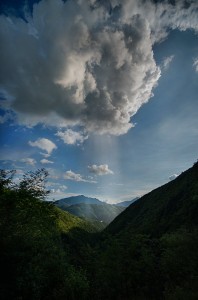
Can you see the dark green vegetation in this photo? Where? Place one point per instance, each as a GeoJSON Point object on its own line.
{"type": "Point", "coordinates": [149, 252]}
{"type": "Point", "coordinates": [36, 244]}
{"type": "Point", "coordinates": [90, 208]}
{"type": "Point", "coordinates": [168, 208]}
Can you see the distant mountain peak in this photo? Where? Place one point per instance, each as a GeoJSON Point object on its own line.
{"type": "Point", "coordinates": [127, 203]}
{"type": "Point", "coordinates": [89, 208]}
{"type": "Point", "coordinates": [77, 200]}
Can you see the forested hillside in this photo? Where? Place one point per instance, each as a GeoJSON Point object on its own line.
{"type": "Point", "coordinates": [147, 252]}
{"type": "Point", "coordinates": [103, 212]}
{"type": "Point", "coordinates": [168, 208]}
{"type": "Point", "coordinates": [36, 244]}
{"type": "Point", "coordinates": [150, 250]}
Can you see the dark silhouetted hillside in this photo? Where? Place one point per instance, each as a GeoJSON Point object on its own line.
{"type": "Point", "coordinates": [165, 209]}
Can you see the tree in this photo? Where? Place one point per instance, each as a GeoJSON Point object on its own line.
{"type": "Point", "coordinates": [6, 178]}
{"type": "Point", "coordinates": [34, 184]}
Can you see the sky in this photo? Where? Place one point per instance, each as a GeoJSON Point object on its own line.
{"type": "Point", "coordinates": [103, 94]}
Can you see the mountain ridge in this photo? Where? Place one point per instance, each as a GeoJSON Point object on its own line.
{"type": "Point", "coordinates": [127, 203]}
{"type": "Point", "coordinates": [76, 200]}
{"type": "Point", "coordinates": [164, 208]}
{"type": "Point", "coordinates": [89, 208]}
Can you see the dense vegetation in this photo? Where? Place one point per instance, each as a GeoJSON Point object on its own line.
{"type": "Point", "coordinates": [165, 209]}
{"type": "Point", "coordinates": [35, 245]}
{"type": "Point", "coordinates": [148, 252]}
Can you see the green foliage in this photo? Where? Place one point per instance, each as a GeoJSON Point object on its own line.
{"type": "Point", "coordinates": [35, 261]}
{"type": "Point", "coordinates": [168, 208]}
{"type": "Point", "coordinates": [33, 184]}
{"type": "Point", "coordinates": [179, 263]}
{"type": "Point", "coordinates": [148, 252]}
{"type": "Point", "coordinates": [6, 178]}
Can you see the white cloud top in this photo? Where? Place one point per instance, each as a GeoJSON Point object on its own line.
{"type": "Point", "coordinates": [172, 177]}
{"type": "Point", "coordinates": [71, 137]}
{"type": "Point", "coordinates": [44, 144]}
{"type": "Point", "coordinates": [75, 63]}
{"type": "Point", "coordinates": [100, 169]}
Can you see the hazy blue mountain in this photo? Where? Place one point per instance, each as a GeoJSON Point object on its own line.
{"type": "Point", "coordinates": [65, 202]}
{"type": "Point", "coordinates": [97, 212]}
{"type": "Point", "coordinates": [90, 208]}
{"type": "Point", "coordinates": [127, 203]}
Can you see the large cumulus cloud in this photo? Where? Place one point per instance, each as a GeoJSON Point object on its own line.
{"type": "Point", "coordinates": [85, 63]}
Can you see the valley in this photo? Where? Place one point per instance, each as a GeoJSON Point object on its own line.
{"type": "Point", "coordinates": [149, 251]}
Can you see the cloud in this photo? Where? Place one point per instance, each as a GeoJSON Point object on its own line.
{"type": "Point", "coordinates": [195, 64]}
{"type": "Point", "coordinates": [7, 116]}
{"type": "Point", "coordinates": [100, 169]}
{"type": "Point", "coordinates": [69, 175]}
{"type": "Point", "coordinates": [56, 188]}
{"type": "Point", "coordinates": [75, 63]}
{"type": "Point", "coordinates": [44, 144]}
{"type": "Point", "coordinates": [161, 16]}
{"type": "Point", "coordinates": [28, 161]}
{"type": "Point", "coordinates": [46, 161]}
{"type": "Point", "coordinates": [71, 137]}
{"type": "Point", "coordinates": [167, 61]}
{"type": "Point", "coordinates": [54, 173]}
{"type": "Point", "coordinates": [172, 177]}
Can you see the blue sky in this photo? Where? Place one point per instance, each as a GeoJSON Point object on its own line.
{"type": "Point", "coordinates": [114, 114]}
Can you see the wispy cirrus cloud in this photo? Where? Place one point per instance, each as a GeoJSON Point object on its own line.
{"type": "Point", "coordinates": [167, 61]}
{"type": "Point", "coordinates": [46, 161]}
{"type": "Point", "coordinates": [29, 161]}
{"type": "Point", "coordinates": [70, 175]}
{"type": "Point", "coordinates": [195, 64]}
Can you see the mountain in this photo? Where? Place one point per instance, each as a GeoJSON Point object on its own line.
{"type": "Point", "coordinates": [150, 250]}
{"type": "Point", "coordinates": [103, 212]}
{"type": "Point", "coordinates": [127, 203]}
{"type": "Point", "coordinates": [65, 202]}
{"type": "Point", "coordinates": [38, 245]}
{"type": "Point", "coordinates": [167, 208]}
{"type": "Point", "coordinates": [90, 208]}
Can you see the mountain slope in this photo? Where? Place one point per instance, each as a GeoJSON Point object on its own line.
{"type": "Point", "coordinates": [150, 250]}
{"type": "Point", "coordinates": [165, 209]}
{"type": "Point", "coordinates": [127, 203]}
{"type": "Point", "coordinates": [36, 255]}
{"type": "Point", "coordinates": [90, 208]}
{"type": "Point", "coordinates": [65, 202]}
{"type": "Point", "coordinates": [103, 212]}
